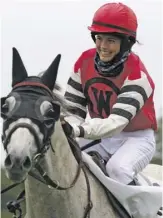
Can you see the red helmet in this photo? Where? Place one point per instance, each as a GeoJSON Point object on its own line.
{"type": "Point", "coordinates": [115, 17]}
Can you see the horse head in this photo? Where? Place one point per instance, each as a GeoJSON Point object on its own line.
{"type": "Point", "coordinates": [29, 114]}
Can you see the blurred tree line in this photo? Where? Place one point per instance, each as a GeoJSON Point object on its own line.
{"type": "Point", "coordinates": [12, 194]}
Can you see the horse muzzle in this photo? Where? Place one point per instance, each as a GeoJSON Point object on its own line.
{"type": "Point", "coordinates": [16, 167]}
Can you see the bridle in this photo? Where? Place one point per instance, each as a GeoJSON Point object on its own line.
{"type": "Point", "coordinates": [41, 151]}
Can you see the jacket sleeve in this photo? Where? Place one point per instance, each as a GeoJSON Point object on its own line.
{"type": "Point", "coordinates": [131, 99]}
{"type": "Point", "coordinates": [75, 97]}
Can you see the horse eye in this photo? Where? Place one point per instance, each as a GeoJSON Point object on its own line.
{"type": "Point", "coordinates": [50, 113]}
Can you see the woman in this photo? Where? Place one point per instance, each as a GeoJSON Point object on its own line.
{"type": "Point", "coordinates": [114, 84]}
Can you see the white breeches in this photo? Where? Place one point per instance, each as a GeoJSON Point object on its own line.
{"type": "Point", "coordinates": [131, 153]}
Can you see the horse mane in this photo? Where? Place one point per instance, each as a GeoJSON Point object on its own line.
{"type": "Point", "coordinates": [66, 108]}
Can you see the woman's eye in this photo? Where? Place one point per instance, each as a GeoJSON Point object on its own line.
{"type": "Point", "coordinates": [111, 41]}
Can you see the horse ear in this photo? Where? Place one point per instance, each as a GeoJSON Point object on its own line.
{"type": "Point", "coordinates": [50, 75]}
{"type": "Point", "coordinates": [19, 72]}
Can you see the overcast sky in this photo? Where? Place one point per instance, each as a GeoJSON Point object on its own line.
{"type": "Point", "coordinates": [41, 30]}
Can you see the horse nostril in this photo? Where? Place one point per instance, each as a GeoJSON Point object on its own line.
{"type": "Point", "coordinates": [27, 163]}
{"type": "Point", "coordinates": [8, 163]}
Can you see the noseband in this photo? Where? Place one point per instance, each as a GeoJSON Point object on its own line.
{"type": "Point", "coordinates": [32, 130]}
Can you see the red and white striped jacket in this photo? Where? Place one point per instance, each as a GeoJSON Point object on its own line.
{"type": "Point", "coordinates": [115, 104]}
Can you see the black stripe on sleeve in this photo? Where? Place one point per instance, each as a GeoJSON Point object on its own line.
{"type": "Point", "coordinates": [75, 85]}
{"type": "Point", "coordinates": [135, 88]}
{"type": "Point", "coordinates": [77, 111]}
{"type": "Point", "coordinates": [122, 113]}
{"type": "Point", "coordinates": [129, 101]}
{"type": "Point", "coordinates": [75, 99]}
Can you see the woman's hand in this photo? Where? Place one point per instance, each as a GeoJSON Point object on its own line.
{"type": "Point", "coordinates": [68, 129]}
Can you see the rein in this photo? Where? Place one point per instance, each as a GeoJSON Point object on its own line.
{"type": "Point", "coordinates": [54, 184]}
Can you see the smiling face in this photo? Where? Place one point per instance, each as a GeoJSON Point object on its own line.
{"type": "Point", "coordinates": [107, 46]}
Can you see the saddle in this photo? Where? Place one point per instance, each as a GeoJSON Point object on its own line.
{"type": "Point", "coordinates": [97, 158]}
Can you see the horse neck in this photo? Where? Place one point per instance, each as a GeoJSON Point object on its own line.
{"type": "Point", "coordinates": [63, 159]}
{"type": "Point", "coordinates": [62, 166]}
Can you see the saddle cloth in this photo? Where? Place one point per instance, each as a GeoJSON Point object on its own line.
{"type": "Point", "coordinates": [141, 201]}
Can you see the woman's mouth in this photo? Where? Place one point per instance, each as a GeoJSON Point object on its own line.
{"type": "Point", "coordinates": [106, 53]}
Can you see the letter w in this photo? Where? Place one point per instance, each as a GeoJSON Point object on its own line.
{"type": "Point", "coordinates": [102, 100]}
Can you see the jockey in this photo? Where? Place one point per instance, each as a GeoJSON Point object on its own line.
{"type": "Point", "coordinates": [113, 85]}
